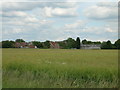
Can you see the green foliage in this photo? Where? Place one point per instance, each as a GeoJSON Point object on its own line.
{"type": "Point", "coordinates": [84, 41]}
{"type": "Point", "coordinates": [38, 44]}
{"type": "Point", "coordinates": [19, 40]}
{"type": "Point", "coordinates": [117, 44]}
{"type": "Point", "coordinates": [46, 44]}
{"type": "Point", "coordinates": [107, 45]}
{"type": "Point", "coordinates": [104, 45]}
{"type": "Point", "coordinates": [8, 44]}
{"type": "Point", "coordinates": [78, 43]}
{"type": "Point", "coordinates": [63, 68]}
{"type": "Point", "coordinates": [71, 43]}
{"type": "Point", "coordinates": [90, 42]}
{"type": "Point", "coordinates": [97, 42]}
{"type": "Point", "coordinates": [68, 44]}
{"type": "Point", "coordinates": [63, 44]}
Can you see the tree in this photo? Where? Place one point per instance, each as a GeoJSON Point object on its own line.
{"type": "Point", "coordinates": [117, 44]}
{"type": "Point", "coordinates": [98, 42]}
{"type": "Point", "coordinates": [46, 44]}
{"type": "Point", "coordinates": [90, 42]}
{"type": "Point", "coordinates": [19, 40]}
{"type": "Point", "coordinates": [63, 44]}
{"type": "Point", "coordinates": [78, 43]}
{"type": "Point", "coordinates": [107, 45]}
{"type": "Point", "coordinates": [38, 44]}
{"type": "Point", "coordinates": [103, 45]}
{"type": "Point", "coordinates": [8, 44]}
{"type": "Point", "coordinates": [84, 41]}
{"type": "Point", "coordinates": [71, 43]}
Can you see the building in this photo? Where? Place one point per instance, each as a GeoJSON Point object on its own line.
{"type": "Point", "coordinates": [90, 46]}
{"type": "Point", "coordinates": [20, 45]}
{"type": "Point", "coordinates": [54, 45]}
{"type": "Point", "coordinates": [24, 45]}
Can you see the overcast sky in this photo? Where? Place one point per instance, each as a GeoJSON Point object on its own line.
{"type": "Point", "coordinates": [60, 20]}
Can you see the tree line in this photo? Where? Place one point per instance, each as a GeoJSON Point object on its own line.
{"type": "Point", "coordinates": [65, 44]}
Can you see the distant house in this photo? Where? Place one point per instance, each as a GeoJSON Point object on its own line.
{"type": "Point", "coordinates": [90, 46]}
{"type": "Point", "coordinates": [54, 45]}
{"type": "Point", "coordinates": [20, 45]}
{"type": "Point", "coordinates": [24, 45]}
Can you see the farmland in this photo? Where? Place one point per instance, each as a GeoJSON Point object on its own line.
{"type": "Point", "coordinates": [59, 68]}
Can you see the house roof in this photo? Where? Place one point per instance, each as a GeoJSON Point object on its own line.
{"type": "Point", "coordinates": [21, 44]}
{"type": "Point", "coordinates": [53, 43]}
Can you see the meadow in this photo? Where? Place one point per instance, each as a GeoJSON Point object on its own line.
{"type": "Point", "coordinates": [59, 68]}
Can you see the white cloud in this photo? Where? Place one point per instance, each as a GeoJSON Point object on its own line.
{"type": "Point", "coordinates": [61, 12]}
{"type": "Point", "coordinates": [14, 14]}
{"type": "Point", "coordinates": [13, 31]}
{"type": "Point", "coordinates": [22, 18]}
{"type": "Point", "coordinates": [108, 4]}
{"type": "Point", "coordinates": [27, 20]}
{"type": "Point", "coordinates": [76, 25]}
{"type": "Point", "coordinates": [7, 6]}
{"type": "Point", "coordinates": [102, 11]}
{"type": "Point", "coordinates": [30, 19]}
{"type": "Point", "coordinates": [48, 9]}
{"type": "Point", "coordinates": [60, 0]}
{"type": "Point", "coordinates": [81, 26]}
{"type": "Point", "coordinates": [101, 30]}
{"type": "Point", "coordinates": [18, 30]}
{"type": "Point", "coordinates": [110, 30]}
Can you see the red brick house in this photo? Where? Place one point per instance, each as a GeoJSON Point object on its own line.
{"type": "Point", "coordinates": [24, 45]}
{"type": "Point", "coordinates": [54, 45]}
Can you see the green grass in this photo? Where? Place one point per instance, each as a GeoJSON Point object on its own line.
{"type": "Point", "coordinates": [60, 68]}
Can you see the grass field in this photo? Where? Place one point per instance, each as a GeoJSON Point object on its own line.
{"type": "Point", "coordinates": [59, 68]}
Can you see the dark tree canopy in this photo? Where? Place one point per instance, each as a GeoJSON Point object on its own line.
{"type": "Point", "coordinates": [38, 44]}
{"type": "Point", "coordinates": [78, 43]}
{"type": "Point", "coordinates": [65, 44]}
{"type": "Point", "coordinates": [107, 45]}
{"type": "Point", "coordinates": [46, 44]}
{"type": "Point", "coordinates": [90, 42]}
{"type": "Point", "coordinates": [8, 44]}
{"type": "Point", "coordinates": [71, 43]}
{"type": "Point", "coordinates": [117, 44]}
{"type": "Point", "coordinates": [84, 41]}
{"type": "Point", "coordinates": [19, 40]}
{"type": "Point", "coordinates": [68, 44]}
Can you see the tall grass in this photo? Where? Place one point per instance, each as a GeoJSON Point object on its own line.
{"type": "Point", "coordinates": [53, 68]}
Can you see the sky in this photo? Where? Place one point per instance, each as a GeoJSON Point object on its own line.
{"type": "Point", "coordinates": [56, 21]}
